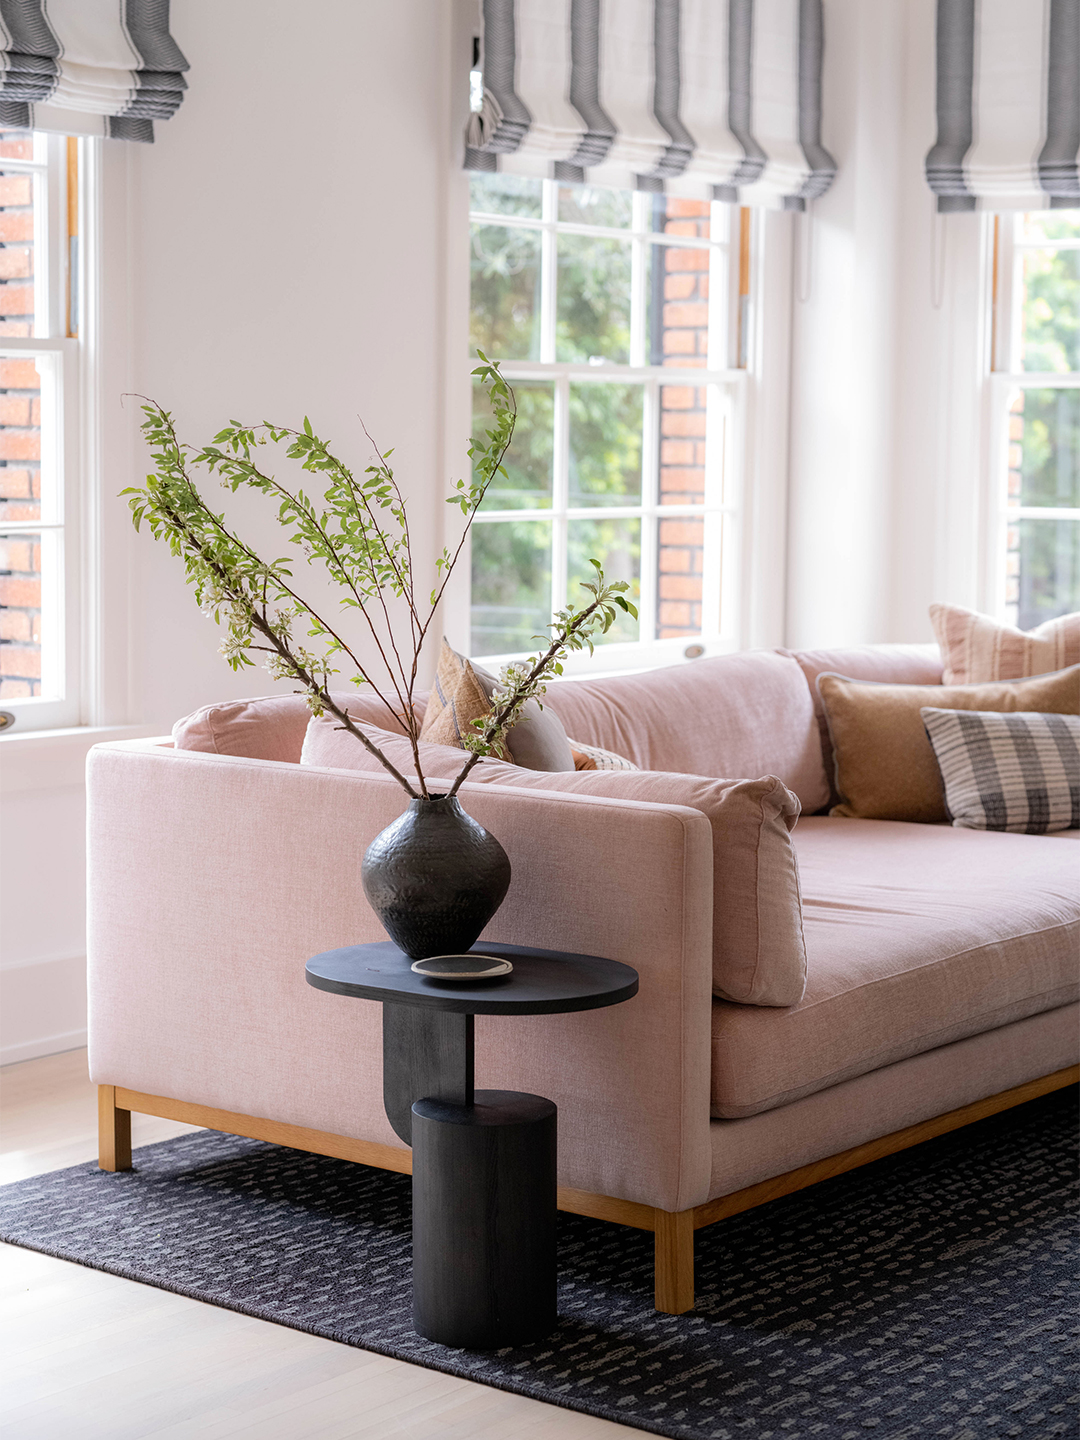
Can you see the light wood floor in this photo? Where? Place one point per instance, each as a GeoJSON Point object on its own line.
{"type": "Point", "coordinates": [87, 1356]}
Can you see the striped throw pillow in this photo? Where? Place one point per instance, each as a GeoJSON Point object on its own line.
{"type": "Point", "coordinates": [1017, 771]}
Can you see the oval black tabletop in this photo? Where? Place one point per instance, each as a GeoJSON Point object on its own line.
{"type": "Point", "coordinates": [543, 982]}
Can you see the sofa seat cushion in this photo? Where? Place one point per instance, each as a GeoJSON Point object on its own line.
{"type": "Point", "coordinates": [916, 935]}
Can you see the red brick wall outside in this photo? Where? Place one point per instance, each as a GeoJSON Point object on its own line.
{"type": "Point", "coordinates": [20, 440]}
{"type": "Point", "coordinates": [682, 329]}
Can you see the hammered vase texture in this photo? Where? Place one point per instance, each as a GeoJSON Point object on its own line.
{"type": "Point", "coordinates": [435, 878]}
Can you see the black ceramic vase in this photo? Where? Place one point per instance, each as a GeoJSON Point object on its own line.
{"type": "Point", "coordinates": [435, 878]}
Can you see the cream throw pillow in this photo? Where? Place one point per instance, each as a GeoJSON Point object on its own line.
{"type": "Point", "coordinates": [885, 765]}
{"type": "Point", "coordinates": [758, 953]}
{"type": "Point", "coordinates": [977, 648]}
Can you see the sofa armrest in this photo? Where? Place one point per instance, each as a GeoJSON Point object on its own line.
{"type": "Point", "coordinates": [213, 878]}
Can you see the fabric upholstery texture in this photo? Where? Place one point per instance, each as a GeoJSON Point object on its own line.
{"type": "Point", "coordinates": [735, 716]}
{"type": "Point", "coordinates": [206, 1001]}
{"type": "Point", "coordinates": [916, 936]}
{"type": "Point", "coordinates": [885, 765]}
{"type": "Point", "coordinates": [977, 648]}
{"type": "Point", "coordinates": [883, 1101]}
{"type": "Point", "coordinates": [271, 727]}
{"type": "Point", "coordinates": [888, 664]}
{"type": "Point", "coordinates": [1017, 772]}
{"type": "Point", "coordinates": [758, 952]}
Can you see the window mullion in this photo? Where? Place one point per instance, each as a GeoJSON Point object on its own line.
{"type": "Point", "coordinates": [648, 606]}
{"type": "Point", "coordinates": [560, 497]}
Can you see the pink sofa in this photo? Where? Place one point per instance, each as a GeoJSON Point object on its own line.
{"type": "Point", "coordinates": [941, 976]}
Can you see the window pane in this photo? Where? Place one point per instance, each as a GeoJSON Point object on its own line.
{"type": "Point", "coordinates": [617, 545]}
{"type": "Point", "coordinates": [1050, 225]}
{"type": "Point", "coordinates": [20, 440]}
{"type": "Point", "coordinates": [678, 314]}
{"type": "Point", "coordinates": [593, 299]}
{"type": "Point", "coordinates": [17, 144]}
{"type": "Point", "coordinates": [683, 424]}
{"type": "Point", "coordinates": [680, 555]}
{"type": "Point", "coordinates": [1051, 310]}
{"type": "Point", "coordinates": [1044, 448]}
{"type": "Point", "coordinates": [605, 444]}
{"type": "Point", "coordinates": [506, 195]}
{"type": "Point", "coordinates": [505, 292]}
{"type": "Point", "coordinates": [1044, 570]}
{"type": "Point", "coordinates": [20, 617]}
{"type": "Point", "coordinates": [584, 205]}
{"type": "Point", "coordinates": [16, 254]}
{"type": "Point", "coordinates": [672, 216]}
{"type": "Point", "coordinates": [527, 483]}
{"type": "Point", "coordinates": [511, 585]}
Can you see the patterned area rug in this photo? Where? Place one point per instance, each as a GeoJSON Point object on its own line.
{"type": "Point", "coordinates": [925, 1295]}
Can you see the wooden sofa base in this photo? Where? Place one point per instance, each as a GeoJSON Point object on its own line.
{"type": "Point", "coordinates": [674, 1230]}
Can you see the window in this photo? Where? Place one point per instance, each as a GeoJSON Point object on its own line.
{"type": "Point", "coordinates": [609, 311]}
{"type": "Point", "coordinates": [38, 415]}
{"type": "Point", "coordinates": [1035, 540]}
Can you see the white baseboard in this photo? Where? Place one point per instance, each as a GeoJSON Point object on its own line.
{"type": "Point", "coordinates": [48, 1045]}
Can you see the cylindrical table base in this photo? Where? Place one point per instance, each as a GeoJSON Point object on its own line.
{"type": "Point", "coordinates": [484, 1220]}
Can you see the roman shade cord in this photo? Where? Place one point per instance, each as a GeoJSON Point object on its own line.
{"type": "Point", "coordinates": [95, 67]}
{"type": "Point", "coordinates": [703, 99]}
{"type": "Point", "coordinates": [1008, 106]}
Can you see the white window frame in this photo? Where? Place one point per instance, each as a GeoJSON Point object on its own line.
{"type": "Point", "coordinates": [63, 525]}
{"type": "Point", "coordinates": [1006, 284]}
{"type": "Point", "coordinates": [723, 581]}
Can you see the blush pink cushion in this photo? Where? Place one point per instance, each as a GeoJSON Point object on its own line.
{"type": "Point", "coordinates": [977, 648]}
{"type": "Point", "coordinates": [916, 935]}
{"type": "Point", "coordinates": [737, 716]}
{"type": "Point", "coordinates": [269, 727]}
{"type": "Point", "coordinates": [889, 664]}
{"type": "Point", "coordinates": [758, 952]}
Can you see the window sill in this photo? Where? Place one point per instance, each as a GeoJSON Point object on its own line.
{"type": "Point", "coordinates": [56, 759]}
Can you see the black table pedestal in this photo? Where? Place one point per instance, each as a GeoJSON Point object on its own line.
{"type": "Point", "coordinates": [484, 1191]}
{"type": "Point", "coordinates": [484, 1219]}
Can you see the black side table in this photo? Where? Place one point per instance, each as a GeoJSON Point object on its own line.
{"type": "Point", "coordinates": [484, 1179]}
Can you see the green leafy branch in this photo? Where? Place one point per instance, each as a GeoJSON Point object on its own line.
{"type": "Point", "coordinates": [358, 530]}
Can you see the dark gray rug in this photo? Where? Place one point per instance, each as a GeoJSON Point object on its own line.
{"type": "Point", "coordinates": [925, 1295]}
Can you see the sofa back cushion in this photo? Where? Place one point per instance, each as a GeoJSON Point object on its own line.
{"type": "Point", "coordinates": [741, 715]}
{"type": "Point", "coordinates": [268, 727]}
{"type": "Point", "coordinates": [888, 664]}
{"type": "Point", "coordinates": [758, 952]}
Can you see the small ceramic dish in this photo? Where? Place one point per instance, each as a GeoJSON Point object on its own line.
{"type": "Point", "coordinates": [462, 967]}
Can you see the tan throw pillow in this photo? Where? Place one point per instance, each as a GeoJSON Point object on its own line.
{"type": "Point", "coordinates": [977, 648]}
{"type": "Point", "coordinates": [457, 699]}
{"type": "Point", "coordinates": [885, 765]}
{"type": "Point", "coordinates": [759, 957]}
{"type": "Point", "coordinates": [537, 741]}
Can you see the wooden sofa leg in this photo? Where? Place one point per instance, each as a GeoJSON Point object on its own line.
{"type": "Point", "coordinates": [114, 1132]}
{"type": "Point", "coordinates": [674, 1234]}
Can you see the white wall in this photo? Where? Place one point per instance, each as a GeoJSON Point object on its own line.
{"type": "Point", "coordinates": [279, 251]}
{"type": "Point", "coordinates": [885, 426]}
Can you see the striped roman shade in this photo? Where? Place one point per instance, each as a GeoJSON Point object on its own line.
{"type": "Point", "coordinates": [1008, 105]}
{"type": "Point", "coordinates": [704, 99]}
{"type": "Point", "coordinates": [1017, 771]}
{"type": "Point", "coordinates": [89, 67]}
